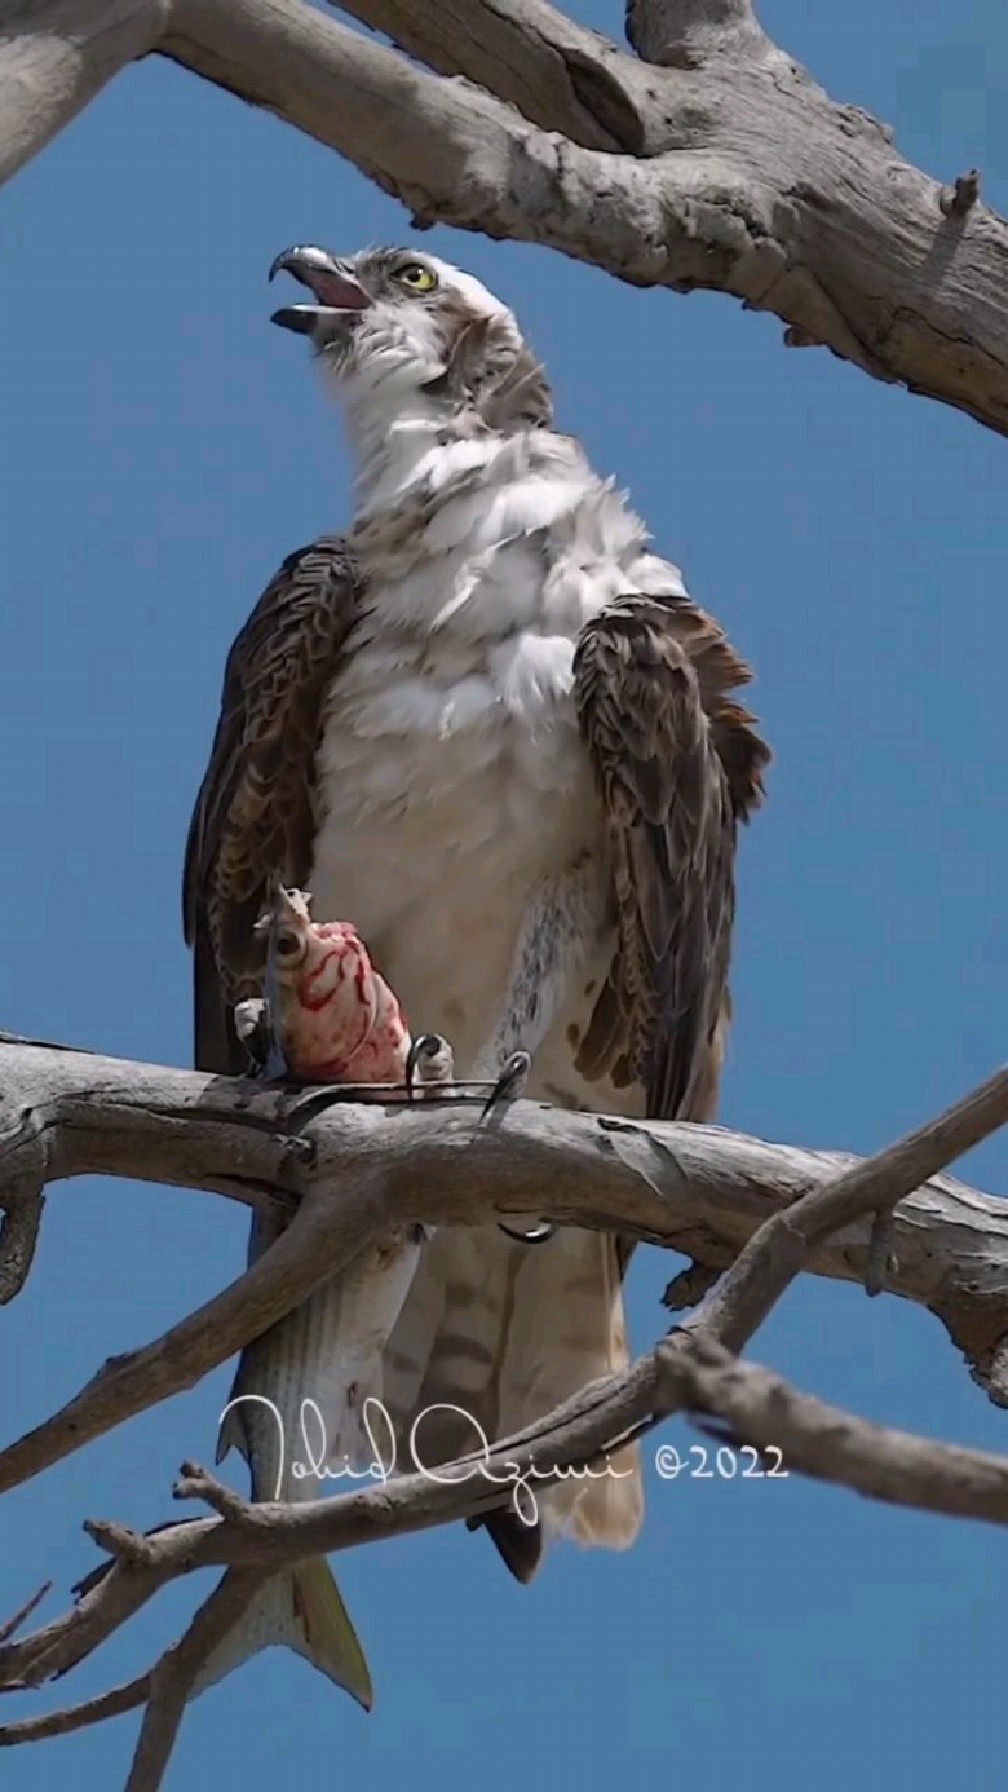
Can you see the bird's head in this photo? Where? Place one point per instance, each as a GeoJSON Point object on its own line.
{"type": "Point", "coordinates": [395, 322]}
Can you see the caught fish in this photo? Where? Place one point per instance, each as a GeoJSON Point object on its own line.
{"type": "Point", "coordinates": [296, 1411]}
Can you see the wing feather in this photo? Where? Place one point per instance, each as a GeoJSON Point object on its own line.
{"type": "Point", "coordinates": [254, 815]}
{"type": "Point", "coordinates": [677, 763]}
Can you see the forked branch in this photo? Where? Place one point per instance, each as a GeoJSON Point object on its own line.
{"type": "Point", "coordinates": [714, 161]}
{"type": "Point", "coordinates": [691, 1370]}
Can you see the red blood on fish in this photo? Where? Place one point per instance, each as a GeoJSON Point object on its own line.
{"type": "Point", "coordinates": [340, 1020]}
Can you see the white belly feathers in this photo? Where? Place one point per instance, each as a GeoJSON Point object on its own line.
{"type": "Point", "coordinates": [452, 776]}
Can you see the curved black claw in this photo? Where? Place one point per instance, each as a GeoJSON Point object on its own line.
{"type": "Point", "coordinates": [507, 1087]}
{"type": "Point", "coordinates": [509, 1084]}
{"type": "Point", "coordinates": [539, 1234]}
{"type": "Point", "coordinates": [425, 1045]}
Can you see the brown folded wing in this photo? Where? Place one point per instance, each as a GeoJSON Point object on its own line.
{"type": "Point", "coordinates": [254, 816]}
{"type": "Point", "coordinates": [678, 764]}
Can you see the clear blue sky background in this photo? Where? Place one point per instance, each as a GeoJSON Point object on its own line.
{"type": "Point", "coordinates": [163, 448]}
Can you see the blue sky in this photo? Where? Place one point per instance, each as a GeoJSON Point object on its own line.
{"type": "Point", "coordinates": [163, 449]}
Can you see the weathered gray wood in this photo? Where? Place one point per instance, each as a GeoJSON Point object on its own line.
{"type": "Point", "coordinates": [55, 55]}
{"type": "Point", "coordinates": [741, 175]}
{"type": "Point", "coordinates": [725, 168]}
{"type": "Point", "coordinates": [699, 1189]}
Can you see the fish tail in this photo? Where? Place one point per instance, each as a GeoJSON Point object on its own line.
{"type": "Point", "coordinates": [304, 1611]}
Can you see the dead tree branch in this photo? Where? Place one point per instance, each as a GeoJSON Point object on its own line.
{"type": "Point", "coordinates": [113, 1703]}
{"type": "Point", "coordinates": [714, 162]}
{"type": "Point", "coordinates": [771, 1259]}
{"type": "Point", "coordinates": [755, 1406]}
{"type": "Point", "coordinates": [171, 1681]}
{"type": "Point", "coordinates": [691, 1370]}
{"type": "Point", "coordinates": [55, 56]}
{"type": "Point", "coordinates": [697, 1189]}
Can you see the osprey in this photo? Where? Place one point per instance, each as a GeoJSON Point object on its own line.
{"type": "Point", "coordinates": [490, 726]}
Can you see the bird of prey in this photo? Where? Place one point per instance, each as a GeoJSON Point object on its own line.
{"type": "Point", "coordinates": [490, 725]}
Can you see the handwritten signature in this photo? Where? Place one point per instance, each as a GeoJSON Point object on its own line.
{"type": "Point", "coordinates": [381, 1439]}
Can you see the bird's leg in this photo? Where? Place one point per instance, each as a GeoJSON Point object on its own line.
{"type": "Point", "coordinates": [559, 926]}
{"type": "Point", "coordinates": [430, 1064]}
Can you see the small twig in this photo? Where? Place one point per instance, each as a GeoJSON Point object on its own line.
{"type": "Point", "coordinates": [118, 1591]}
{"type": "Point", "coordinates": [46, 1045]}
{"type": "Point", "coordinates": [77, 1717]}
{"type": "Point", "coordinates": [756, 1407]}
{"type": "Point", "coordinates": [958, 200]}
{"type": "Point", "coordinates": [122, 1543]}
{"type": "Point", "coordinates": [12, 1625]}
{"type": "Point", "coordinates": [196, 1483]}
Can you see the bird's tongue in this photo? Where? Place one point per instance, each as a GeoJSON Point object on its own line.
{"type": "Point", "coordinates": [338, 291]}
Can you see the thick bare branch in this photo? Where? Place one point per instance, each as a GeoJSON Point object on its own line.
{"type": "Point", "coordinates": [700, 1189]}
{"type": "Point", "coordinates": [690, 1368]}
{"type": "Point", "coordinates": [689, 1371]}
{"type": "Point", "coordinates": [756, 184]}
{"type": "Point", "coordinates": [738, 174]}
{"type": "Point", "coordinates": [559, 74]}
{"type": "Point", "coordinates": [128, 1384]}
{"type": "Point", "coordinates": [16, 1621]}
{"type": "Point", "coordinates": [55, 55]}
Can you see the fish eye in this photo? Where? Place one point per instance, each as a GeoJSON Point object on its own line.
{"type": "Point", "coordinates": [286, 945]}
{"type": "Point", "coordinates": [416, 277]}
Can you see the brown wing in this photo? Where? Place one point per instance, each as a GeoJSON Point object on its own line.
{"type": "Point", "coordinates": [254, 816]}
{"type": "Point", "coordinates": [678, 764]}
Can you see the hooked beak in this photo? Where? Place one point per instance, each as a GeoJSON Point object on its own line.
{"type": "Point", "coordinates": [338, 293]}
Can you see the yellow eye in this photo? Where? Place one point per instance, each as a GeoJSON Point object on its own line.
{"type": "Point", "coordinates": [416, 277]}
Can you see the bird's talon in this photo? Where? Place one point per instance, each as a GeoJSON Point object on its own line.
{"type": "Point", "coordinates": [425, 1045]}
{"type": "Point", "coordinates": [508, 1084]}
{"type": "Point", "coordinates": [430, 1060]}
{"type": "Point", "coordinates": [539, 1234]}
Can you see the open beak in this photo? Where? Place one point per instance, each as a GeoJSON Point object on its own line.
{"type": "Point", "coordinates": [338, 293]}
